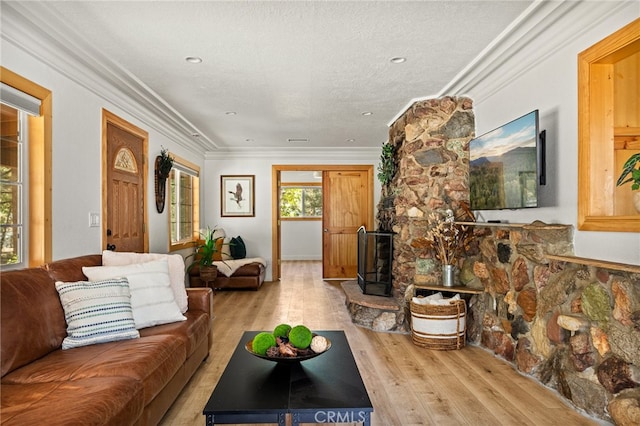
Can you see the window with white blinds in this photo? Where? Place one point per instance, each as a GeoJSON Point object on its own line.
{"type": "Point", "coordinates": [184, 196]}
{"type": "Point", "coordinates": [15, 106]}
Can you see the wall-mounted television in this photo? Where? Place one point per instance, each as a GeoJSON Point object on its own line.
{"type": "Point", "coordinates": [504, 166]}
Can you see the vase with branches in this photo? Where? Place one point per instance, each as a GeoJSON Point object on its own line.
{"type": "Point", "coordinates": [446, 238]}
{"type": "Point", "coordinates": [448, 241]}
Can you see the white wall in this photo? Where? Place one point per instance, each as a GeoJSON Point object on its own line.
{"type": "Point", "coordinates": [550, 85]}
{"type": "Point", "coordinates": [77, 121]}
{"type": "Point", "coordinates": [301, 240]}
{"type": "Point", "coordinates": [256, 231]}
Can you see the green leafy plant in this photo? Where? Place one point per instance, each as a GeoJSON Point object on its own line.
{"type": "Point", "coordinates": [629, 168]}
{"type": "Point", "coordinates": [206, 248]}
{"type": "Point", "coordinates": [387, 166]}
{"type": "Point", "coordinates": [165, 163]}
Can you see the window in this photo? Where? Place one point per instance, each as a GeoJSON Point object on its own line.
{"type": "Point", "coordinates": [11, 186]}
{"type": "Point", "coordinates": [15, 107]}
{"type": "Point", "coordinates": [184, 196]}
{"type": "Point", "coordinates": [302, 201]}
{"type": "Point", "coordinates": [25, 95]}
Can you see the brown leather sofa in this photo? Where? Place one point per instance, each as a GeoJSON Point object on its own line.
{"type": "Point", "coordinates": [128, 382]}
{"type": "Point", "coordinates": [249, 276]}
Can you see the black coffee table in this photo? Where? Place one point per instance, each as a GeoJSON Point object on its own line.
{"type": "Point", "coordinates": [325, 389]}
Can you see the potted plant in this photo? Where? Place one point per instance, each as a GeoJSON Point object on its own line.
{"type": "Point", "coordinates": [203, 255]}
{"type": "Point", "coordinates": [631, 173]}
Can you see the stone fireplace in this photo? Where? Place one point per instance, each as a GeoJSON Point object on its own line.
{"type": "Point", "coordinates": [572, 324]}
{"type": "Point", "coordinates": [430, 142]}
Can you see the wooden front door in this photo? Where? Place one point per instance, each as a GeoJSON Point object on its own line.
{"type": "Point", "coordinates": [347, 206]}
{"type": "Point", "coordinates": [125, 176]}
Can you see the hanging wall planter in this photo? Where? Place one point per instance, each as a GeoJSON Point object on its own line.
{"type": "Point", "coordinates": [387, 166]}
{"type": "Point", "coordinates": [163, 165]}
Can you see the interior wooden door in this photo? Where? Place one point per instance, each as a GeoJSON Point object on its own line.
{"type": "Point", "coordinates": [124, 200]}
{"type": "Point", "coordinates": [347, 205]}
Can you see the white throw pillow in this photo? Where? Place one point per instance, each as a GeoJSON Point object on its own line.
{"type": "Point", "coordinates": [152, 298]}
{"type": "Point", "coordinates": [176, 269]}
{"type": "Point", "coordinates": [96, 312]}
{"type": "Point", "coordinates": [225, 252]}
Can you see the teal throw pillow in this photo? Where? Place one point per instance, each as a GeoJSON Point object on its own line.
{"type": "Point", "coordinates": [238, 249]}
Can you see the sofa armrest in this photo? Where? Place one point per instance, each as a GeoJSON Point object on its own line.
{"type": "Point", "coordinates": [201, 299]}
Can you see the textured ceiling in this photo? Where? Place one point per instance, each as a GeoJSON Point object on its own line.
{"type": "Point", "coordinates": [288, 69]}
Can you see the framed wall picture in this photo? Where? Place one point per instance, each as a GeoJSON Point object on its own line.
{"type": "Point", "coordinates": [237, 196]}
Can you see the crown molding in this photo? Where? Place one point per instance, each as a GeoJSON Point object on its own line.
{"type": "Point", "coordinates": [542, 29]}
{"type": "Point", "coordinates": [35, 28]}
{"type": "Point", "coordinates": [315, 154]}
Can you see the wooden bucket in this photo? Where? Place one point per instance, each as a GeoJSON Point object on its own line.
{"type": "Point", "coordinates": [439, 327]}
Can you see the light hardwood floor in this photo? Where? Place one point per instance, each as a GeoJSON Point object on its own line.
{"type": "Point", "coordinates": [407, 385]}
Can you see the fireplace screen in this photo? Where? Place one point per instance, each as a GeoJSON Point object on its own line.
{"type": "Point", "coordinates": [375, 254]}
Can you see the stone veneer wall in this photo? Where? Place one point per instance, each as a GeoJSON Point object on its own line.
{"type": "Point", "coordinates": [571, 324]}
{"type": "Point", "coordinates": [430, 141]}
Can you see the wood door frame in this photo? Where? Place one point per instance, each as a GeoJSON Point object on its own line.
{"type": "Point", "coordinates": [110, 118]}
{"type": "Point", "coordinates": [276, 170]}
{"type": "Point", "coordinates": [597, 102]}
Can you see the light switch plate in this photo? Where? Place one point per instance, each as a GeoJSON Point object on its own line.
{"type": "Point", "coordinates": [94, 220]}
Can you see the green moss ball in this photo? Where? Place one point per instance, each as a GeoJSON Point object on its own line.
{"type": "Point", "coordinates": [262, 342]}
{"type": "Point", "coordinates": [282, 330]}
{"type": "Point", "coordinates": [300, 337]}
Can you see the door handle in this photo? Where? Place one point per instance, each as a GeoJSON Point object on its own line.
{"type": "Point", "coordinates": [326, 229]}
{"type": "Point", "coordinates": [111, 247]}
{"type": "Point", "coordinates": [108, 232]}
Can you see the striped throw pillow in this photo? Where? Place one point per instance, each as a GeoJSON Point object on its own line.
{"type": "Point", "coordinates": [96, 312]}
{"type": "Point", "coordinates": [152, 299]}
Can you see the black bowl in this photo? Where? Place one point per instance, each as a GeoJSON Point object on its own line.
{"type": "Point", "coordinates": [285, 359]}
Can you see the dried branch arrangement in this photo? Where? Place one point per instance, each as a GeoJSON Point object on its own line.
{"type": "Point", "coordinates": [447, 239]}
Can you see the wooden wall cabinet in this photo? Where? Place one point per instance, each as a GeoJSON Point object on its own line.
{"type": "Point", "coordinates": [608, 130]}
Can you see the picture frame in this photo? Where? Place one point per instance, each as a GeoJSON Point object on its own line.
{"type": "Point", "coordinates": [237, 195]}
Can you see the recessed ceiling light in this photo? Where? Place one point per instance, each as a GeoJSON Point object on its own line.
{"type": "Point", "coordinates": [351, 140]}
{"type": "Point", "coordinates": [193, 59]}
{"type": "Point", "coordinates": [248, 140]}
{"type": "Point", "coordinates": [366, 113]}
{"type": "Point", "coordinates": [230, 113]}
{"type": "Point", "coordinates": [298, 140]}
{"type": "Point", "coordinates": [398, 60]}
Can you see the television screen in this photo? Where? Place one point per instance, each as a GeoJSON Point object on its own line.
{"type": "Point", "coordinates": [503, 166]}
